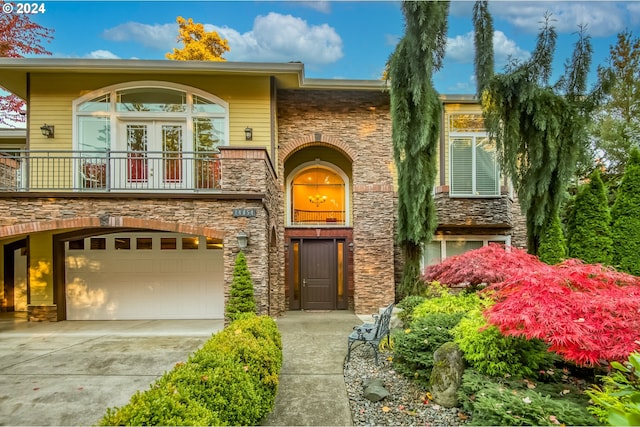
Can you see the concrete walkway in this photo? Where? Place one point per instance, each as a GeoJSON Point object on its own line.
{"type": "Point", "coordinates": [312, 390]}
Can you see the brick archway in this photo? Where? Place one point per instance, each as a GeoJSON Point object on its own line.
{"type": "Point", "coordinates": [108, 222]}
{"type": "Point", "coordinates": [316, 139]}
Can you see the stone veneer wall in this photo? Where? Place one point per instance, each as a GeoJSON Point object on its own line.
{"type": "Point", "coordinates": [358, 124]}
{"type": "Point", "coordinates": [457, 211]}
{"type": "Point", "coordinates": [244, 171]}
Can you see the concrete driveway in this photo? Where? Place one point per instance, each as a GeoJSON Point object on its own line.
{"type": "Point", "coordinates": [68, 373]}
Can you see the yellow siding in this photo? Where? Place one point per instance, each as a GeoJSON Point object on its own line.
{"type": "Point", "coordinates": [40, 268]}
{"type": "Point", "coordinates": [52, 96]}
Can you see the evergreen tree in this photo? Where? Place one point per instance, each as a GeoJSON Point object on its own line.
{"type": "Point", "coordinates": [540, 128]}
{"type": "Point", "coordinates": [241, 294]}
{"type": "Point", "coordinates": [616, 128]}
{"type": "Point", "coordinates": [416, 112]}
{"type": "Point", "coordinates": [626, 218]}
{"type": "Point", "coordinates": [590, 238]}
{"type": "Point", "coordinates": [483, 43]}
{"type": "Point", "coordinates": [553, 245]}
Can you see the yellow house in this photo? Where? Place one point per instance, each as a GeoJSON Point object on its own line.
{"type": "Point", "coordinates": [139, 182]}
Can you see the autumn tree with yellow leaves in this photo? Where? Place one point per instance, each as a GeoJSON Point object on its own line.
{"type": "Point", "coordinates": [199, 45]}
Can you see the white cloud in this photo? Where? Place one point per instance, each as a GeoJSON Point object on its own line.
{"type": "Point", "coordinates": [460, 49]}
{"type": "Point", "coordinates": [600, 18]}
{"type": "Point", "coordinates": [158, 36]}
{"type": "Point", "coordinates": [275, 37]}
{"type": "Point", "coordinates": [102, 54]}
{"type": "Point", "coordinates": [323, 6]}
{"type": "Point", "coordinates": [282, 38]}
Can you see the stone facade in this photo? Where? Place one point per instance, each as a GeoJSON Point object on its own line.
{"type": "Point", "coordinates": [250, 183]}
{"type": "Point", "coordinates": [470, 212]}
{"type": "Point", "coordinates": [357, 125]}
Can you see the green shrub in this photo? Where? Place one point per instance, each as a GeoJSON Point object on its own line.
{"type": "Point", "coordinates": [447, 302]}
{"type": "Point", "coordinates": [231, 380]}
{"type": "Point", "coordinates": [414, 347]}
{"type": "Point", "coordinates": [514, 401]}
{"type": "Point", "coordinates": [253, 347]}
{"type": "Point", "coordinates": [222, 385]}
{"type": "Point", "coordinates": [626, 219]}
{"type": "Point", "coordinates": [553, 246]}
{"type": "Point", "coordinates": [617, 402]}
{"type": "Point", "coordinates": [161, 405]}
{"type": "Point", "coordinates": [590, 232]}
{"type": "Point", "coordinates": [491, 353]}
{"type": "Point", "coordinates": [408, 305]}
{"type": "Point", "coordinates": [241, 299]}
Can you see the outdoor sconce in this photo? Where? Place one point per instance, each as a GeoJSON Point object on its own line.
{"type": "Point", "coordinates": [243, 240]}
{"type": "Point", "coordinates": [248, 133]}
{"type": "Point", "coordinates": [47, 130]}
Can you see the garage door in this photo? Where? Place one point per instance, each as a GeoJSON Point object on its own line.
{"type": "Point", "coordinates": [129, 276]}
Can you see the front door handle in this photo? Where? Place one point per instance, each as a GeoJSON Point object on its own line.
{"type": "Point", "coordinates": [304, 283]}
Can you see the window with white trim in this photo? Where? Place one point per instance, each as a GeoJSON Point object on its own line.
{"type": "Point", "coordinates": [443, 247]}
{"type": "Point", "coordinates": [181, 122]}
{"type": "Point", "coordinates": [473, 164]}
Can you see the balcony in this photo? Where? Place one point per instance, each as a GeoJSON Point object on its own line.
{"type": "Point", "coordinates": [134, 171]}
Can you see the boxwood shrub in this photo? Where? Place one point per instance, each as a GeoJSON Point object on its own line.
{"type": "Point", "coordinates": [231, 380]}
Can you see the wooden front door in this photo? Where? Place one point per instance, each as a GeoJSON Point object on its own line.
{"type": "Point", "coordinates": [318, 273]}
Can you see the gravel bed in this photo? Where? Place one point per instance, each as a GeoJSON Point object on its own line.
{"type": "Point", "coordinates": [407, 404]}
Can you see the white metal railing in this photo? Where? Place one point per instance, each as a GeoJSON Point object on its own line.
{"type": "Point", "coordinates": [109, 171]}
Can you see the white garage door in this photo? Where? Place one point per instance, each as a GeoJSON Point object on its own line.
{"type": "Point", "coordinates": [144, 276]}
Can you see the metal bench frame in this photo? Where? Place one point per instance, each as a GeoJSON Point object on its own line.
{"type": "Point", "coordinates": [371, 333]}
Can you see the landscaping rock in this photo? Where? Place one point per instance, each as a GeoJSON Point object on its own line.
{"type": "Point", "coordinates": [374, 390]}
{"type": "Point", "coordinates": [446, 376]}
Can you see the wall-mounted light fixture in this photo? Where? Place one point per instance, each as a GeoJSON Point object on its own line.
{"type": "Point", "coordinates": [248, 133]}
{"type": "Point", "coordinates": [243, 240]}
{"type": "Point", "coordinates": [47, 130]}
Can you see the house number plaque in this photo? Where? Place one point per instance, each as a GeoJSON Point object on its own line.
{"type": "Point", "coordinates": [246, 213]}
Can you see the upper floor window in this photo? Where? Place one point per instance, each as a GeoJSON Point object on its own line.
{"type": "Point", "coordinates": [149, 135]}
{"type": "Point", "coordinates": [473, 165]}
{"type": "Point", "coordinates": [318, 196]}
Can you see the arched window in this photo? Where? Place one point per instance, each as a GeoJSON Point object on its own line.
{"type": "Point", "coordinates": [318, 195]}
{"type": "Point", "coordinates": [154, 135]}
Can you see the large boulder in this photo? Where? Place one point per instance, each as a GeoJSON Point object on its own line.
{"type": "Point", "coordinates": [374, 390]}
{"type": "Point", "coordinates": [446, 376]}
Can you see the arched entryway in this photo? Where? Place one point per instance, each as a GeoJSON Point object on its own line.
{"type": "Point", "coordinates": [318, 231]}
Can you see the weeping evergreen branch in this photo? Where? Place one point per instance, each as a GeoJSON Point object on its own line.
{"type": "Point", "coordinates": [541, 130]}
{"type": "Point", "coordinates": [416, 111]}
{"type": "Point", "coordinates": [483, 42]}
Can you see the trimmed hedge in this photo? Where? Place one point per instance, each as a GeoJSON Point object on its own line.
{"type": "Point", "coordinates": [231, 380]}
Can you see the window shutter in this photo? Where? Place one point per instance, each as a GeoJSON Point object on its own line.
{"type": "Point", "coordinates": [487, 178]}
{"type": "Point", "coordinates": [461, 167]}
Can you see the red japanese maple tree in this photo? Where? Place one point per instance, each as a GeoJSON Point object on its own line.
{"type": "Point", "coordinates": [19, 36]}
{"type": "Point", "coordinates": [489, 264]}
{"type": "Point", "coordinates": [587, 313]}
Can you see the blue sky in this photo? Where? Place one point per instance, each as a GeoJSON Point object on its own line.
{"type": "Point", "coordinates": [334, 39]}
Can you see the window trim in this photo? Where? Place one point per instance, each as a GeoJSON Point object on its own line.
{"type": "Point", "coordinates": [347, 198]}
{"type": "Point", "coordinates": [485, 238]}
{"type": "Point", "coordinates": [474, 136]}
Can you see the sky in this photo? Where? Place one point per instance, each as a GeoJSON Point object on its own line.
{"type": "Point", "coordinates": [333, 39]}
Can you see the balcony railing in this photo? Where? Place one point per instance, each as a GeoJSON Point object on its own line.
{"type": "Point", "coordinates": [109, 171]}
{"type": "Point", "coordinates": [318, 217]}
